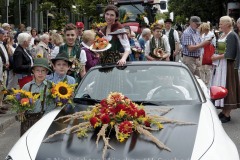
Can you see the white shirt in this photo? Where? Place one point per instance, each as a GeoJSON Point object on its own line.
{"type": "Point", "coordinates": [165, 43]}
{"type": "Point", "coordinates": [175, 34]}
{"type": "Point", "coordinates": [83, 57]}
{"type": "Point", "coordinates": [54, 52]}
{"type": "Point", "coordinates": [123, 40]}
{"type": "Point", "coordinates": [5, 53]}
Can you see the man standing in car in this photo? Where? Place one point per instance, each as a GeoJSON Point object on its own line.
{"type": "Point", "coordinates": [192, 45]}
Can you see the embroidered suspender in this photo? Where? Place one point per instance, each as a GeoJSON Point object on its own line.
{"type": "Point", "coordinates": [44, 95]}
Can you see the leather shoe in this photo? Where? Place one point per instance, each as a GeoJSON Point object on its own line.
{"type": "Point", "coordinates": [220, 115]}
{"type": "Point", "coordinates": [2, 111]}
{"type": "Point", "coordinates": [225, 119]}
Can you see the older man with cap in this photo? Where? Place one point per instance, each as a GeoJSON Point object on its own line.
{"type": "Point", "coordinates": [80, 28]}
{"type": "Point", "coordinates": [192, 45]}
{"type": "Point", "coordinates": [173, 39]}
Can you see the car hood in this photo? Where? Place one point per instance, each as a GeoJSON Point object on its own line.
{"type": "Point", "coordinates": [179, 138]}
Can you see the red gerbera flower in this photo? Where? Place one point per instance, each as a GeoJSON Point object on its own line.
{"type": "Point", "coordinates": [104, 103]}
{"type": "Point", "coordinates": [105, 119]}
{"type": "Point", "coordinates": [93, 121]}
{"type": "Point", "coordinates": [147, 123]}
{"type": "Point", "coordinates": [140, 113]}
{"type": "Point", "coordinates": [119, 107]}
{"type": "Point", "coordinates": [125, 127]}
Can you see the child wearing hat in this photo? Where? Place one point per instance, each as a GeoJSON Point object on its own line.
{"type": "Point", "coordinates": [61, 64]}
{"type": "Point", "coordinates": [39, 84]}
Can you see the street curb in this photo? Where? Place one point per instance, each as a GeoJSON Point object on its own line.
{"type": "Point", "coordinates": [7, 122]}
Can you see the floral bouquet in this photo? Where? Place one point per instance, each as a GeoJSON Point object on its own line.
{"type": "Point", "coordinates": [21, 101]}
{"type": "Point", "coordinates": [119, 113]}
{"type": "Point", "coordinates": [61, 93]}
{"type": "Point", "coordinates": [97, 26]}
{"type": "Point", "coordinates": [137, 51]}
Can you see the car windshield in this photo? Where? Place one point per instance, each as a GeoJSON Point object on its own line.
{"type": "Point", "coordinates": [140, 83]}
{"type": "Point", "coordinates": [129, 12]}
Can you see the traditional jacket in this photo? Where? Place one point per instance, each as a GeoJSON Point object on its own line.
{"type": "Point", "coordinates": [74, 57]}
{"type": "Point", "coordinates": [112, 55]}
{"type": "Point", "coordinates": [232, 50]}
{"type": "Point", "coordinates": [153, 46]}
{"type": "Point", "coordinates": [92, 60]}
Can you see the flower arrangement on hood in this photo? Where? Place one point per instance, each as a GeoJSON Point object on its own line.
{"type": "Point", "coordinates": [62, 93]}
{"type": "Point", "coordinates": [119, 113]}
{"type": "Point", "coordinates": [21, 101]}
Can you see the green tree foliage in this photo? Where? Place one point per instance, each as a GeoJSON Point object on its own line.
{"type": "Point", "coordinates": [59, 21]}
{"type": "Point", "coordinates": [208, 10]}
{"type": "Point", "coordinates": [89, 8]}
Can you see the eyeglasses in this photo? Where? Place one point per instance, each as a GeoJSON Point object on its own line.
{"type": "Point", "coordinates": [197, 24]}
{"type": "Point", "coordinates": [40, 71]}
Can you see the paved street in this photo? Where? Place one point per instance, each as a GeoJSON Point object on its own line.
{"type": "Point", "coordinates": [10, 135]}
{"type": "Point", "coordinates": [8, 138]}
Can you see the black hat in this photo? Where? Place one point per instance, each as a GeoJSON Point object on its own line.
{"type": "Point", "coordinates": [62, 56]}
{"type": "Point", "coordinates": [41, 62]}
{"type": "Point", "coordinates": [168, 20]}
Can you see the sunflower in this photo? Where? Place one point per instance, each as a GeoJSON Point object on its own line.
{"type": "Point", "coordinates": [63, 90]}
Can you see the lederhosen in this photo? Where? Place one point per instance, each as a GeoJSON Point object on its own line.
{"type": "Point", "coordinates": [32, 118]}
{"type": "Point", "coordinates": [152, 45]}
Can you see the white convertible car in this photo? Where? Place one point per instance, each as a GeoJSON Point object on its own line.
{"type": "Point", "coordinates": [155, 85]}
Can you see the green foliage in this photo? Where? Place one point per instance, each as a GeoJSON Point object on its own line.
{"type": "Point", "coordinates": [59, 21]}
{"type": "Point", "coordinates": [207, 10]}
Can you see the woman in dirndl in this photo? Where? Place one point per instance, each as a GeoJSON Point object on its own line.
{"type": "Point", "coordinates": [226, 72]}
{"type": "Point", "coordinates": [117, 37]}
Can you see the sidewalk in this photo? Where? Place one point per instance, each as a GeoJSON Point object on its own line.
{"type": "Point", "coordinates": [6, 119]}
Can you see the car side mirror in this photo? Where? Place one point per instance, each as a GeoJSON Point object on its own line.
{"type": "Point", "coordinates": [218, 92]}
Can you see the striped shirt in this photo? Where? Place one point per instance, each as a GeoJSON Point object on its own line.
{"type": "Point", "coordinates": [190, 37]}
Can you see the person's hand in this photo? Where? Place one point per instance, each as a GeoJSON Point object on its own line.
{"type": "Point", "coordinates": [121, 62]}
{"type": "Point", "coordinates": [97, 55]}
{"type": "Point", "coordinates": [217, 57]}
{"type": "Point", "coordinates": [175, 53]}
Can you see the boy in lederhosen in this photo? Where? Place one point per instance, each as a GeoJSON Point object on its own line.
{"type": "Point", "coordinates": [40, 85]}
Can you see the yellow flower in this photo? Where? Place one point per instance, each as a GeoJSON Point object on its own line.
{"type": "Point", "coordinates": [159, 125]}
{"type": "Point", "coordinates": [121, 113]}
{"type": "Point", "coordinates": [63, 90]}
{"type": "Point", "coordinates": [39, 55]}
{"type": "Point", "coordinates": [10, 97]}
{"type": "Point", "coordinates": [112, 123]}
{"type": "Point", "coordinates": [121, 139]}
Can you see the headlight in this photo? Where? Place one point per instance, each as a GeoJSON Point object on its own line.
{"type": "Point", "coordinates": [8, 158]}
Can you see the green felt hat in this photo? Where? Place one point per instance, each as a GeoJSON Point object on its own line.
{"type": "Point", "coordinates": [41, 62]}
{"type": "Point", "coordinates": [62, 56]}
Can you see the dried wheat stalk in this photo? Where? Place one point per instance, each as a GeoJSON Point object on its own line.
{"type": "Point", "coordinates": [152, 138]}
{"type": "Point", "coordinates": [77, 115]}
{"type": "Point", "coordinates": [65, 130]}
{"type": "Point", "coordinates": [116, 130]}
{"type": "Point", "coordinates": [163, 120]}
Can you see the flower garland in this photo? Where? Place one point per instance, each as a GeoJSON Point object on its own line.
{"type": "Point", "coordinates": [21, 101]}
{"type": "Point", "coordinates": [121, 114]}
